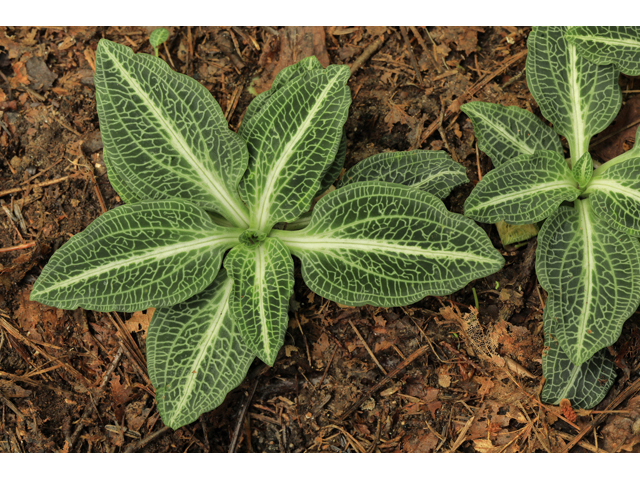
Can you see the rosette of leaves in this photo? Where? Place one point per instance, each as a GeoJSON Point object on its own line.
{"type": "Point", "coordinates": [201, 237]}
{"type": "Point", "coordinates": [588, 257]}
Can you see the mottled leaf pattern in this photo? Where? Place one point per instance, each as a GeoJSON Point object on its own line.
{"type": "Point", "coordinates": [524, 190]}
{"type": "Point", "coordinates": [335, 168]}
{"type": "Point", "coordinates": [614, 193]}
{"type": "Point", "coordinates": [195, 354]}
{"type": "Point", "coordinates": [165, 135]}
{"type": "Point", "coordinates": [140, 255]}
{"type": "Point", "coordinates": [585, 385]}
{"type": "Point", "coordinates": [262, 284]}
{"type": "Point", "coordinates": [580, 98]}
{"type": "Point", "coordinates": [592, 274]}
{"type": "Point", "coordinates": [583, 170]}
{"type": "Point", "coordinates": [127, 195]}
{"type": "Point", "coordinates": [388, 245]}
{"type": "Point", "coordinates": [430, 171]}
{"type": "Point", "coordinates": [505, 133]}
{"type": "Point", "coordinates": [292, 140]}
{"type": "Point", "coordinates": [619, 46]}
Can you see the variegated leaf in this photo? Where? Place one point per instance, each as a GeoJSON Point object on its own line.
{"type": "Point", "coordinates": [580, 98]}
{"type": "Point", "coordinates": [195, 354]}
{"type": "Point", "coordinates": [140, 255]}
{"type": "Point", "coordinates": [614, 193]}
{"type": "Point", "coordinates": [388, 245]}
{"type": "Point", "coordinates": [524, 190]}
{"type": "Point", "coordinates": [583, 170]}
{"type": "Point", "coordinates": [262, 285]}
{"type": "Point", "coordinates": [430, 171]}
{"type": "Point", "coordinates": [592, 274]}
{"type": "Point", "coordinates": [505, 133]}
{"type": "Point", "coordinates": [164, 134]}
{"type": "Point", "coordinates": [586, 384]}
{"type": "Point", "coordinates": [619, 46]}
{"type": "Point", "coordinates": [292, 141]}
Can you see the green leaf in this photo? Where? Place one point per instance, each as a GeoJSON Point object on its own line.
{"type": "Point", "coordinates": [118, 184]}
{"type": "Point", "coordinates": [287, 74]}
{"type": "Point", "coordinates": [262, 284]}
{"type": "Point", "coordinates": [592, 274]}
{"type": "Point", "coordinates": [136, 256]}
{"type": "Point", "coordinates": [585, 385]}
{"type": "Point", "coordinates": [164, 134]}
{"type": "Point", "coordinates": [505, 133]}
{"type": "Point", "coordinates": [580, 98]}
{"type": "Point", "coordinates": [615, 194]}
{"type": "Point", "coordinates": [335, 168]}
{"type": "Point", "coordinates": [430, 171]}
{"type": "Point", "coordinates": [524, 190]}
{"type": "Point", "coordinates": [195, 354]}
{"type": "Point", "coordinates": [583, 170]}
{"type": "Point", "coordinates": [158, 37]}
{"type": "Point", "coordinates": [388, 245]}
{"type": "Point", "coordinates": [608, 45]}
{"type": "Point", "coordinates": [292, 141]}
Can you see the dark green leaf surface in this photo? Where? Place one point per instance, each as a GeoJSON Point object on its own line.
{"type": "Point", "coordinates": [619, 46]}
{"type": "Point", "coordinates": [195, 354]}
{"type": "Point", "coordinates": [524, 190]}
{"type": "Point", "coordinates": [580, 98]}
{"type": "Point", "coordinates": [292, 141]}
{"type": "Point", "coordinates": [165, 135]}
{"type": "Point", "coordinates": [592, 274]}
{"type": "Point", "coordinates": [586, 384]}
{"type": "Point", "coordinates": [430, 171]}
{"type": "Point", "coordinates": [388, 245]}
{"type": "Point", "coordinates": [285, 75]}
{"type": "Point", "coordinates": [614, 193]}
{"type": "Point", "coordinates": [262, 285]}
{"type": "Point", "coordinates": [335, 168]}
{"type": "Point", "coordinates": [505, 133]}
{"type": "Point", "coordinates": [140, 255]}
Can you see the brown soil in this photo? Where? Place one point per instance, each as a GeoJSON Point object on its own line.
{"type": "Point", "coordinates": [348, 379]}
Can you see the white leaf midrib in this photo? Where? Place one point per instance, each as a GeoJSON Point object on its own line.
{"type": "Point", "coordinates": [536, 189]}
{"type": "Point", "coordinates": [151, 255]}
{"type": "Point", "coordinates": [203, 345]}
{"type": "Point", "coordinates": [588, 264]}
{"type": "Point", "coordinates": [263, 202]}
{"type": "Point", "coordinates": [218, 190]}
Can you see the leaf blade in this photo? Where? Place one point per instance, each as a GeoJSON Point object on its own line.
{"type": "Point", "coordinates": [292, 140]}
{"type": "Point", "coordinates": [577, 96]}
{"type": "Point", "coordinates": [262, 284]}
{"type": "Point", "coordinates": [388, 245]}
{"type": "Point", "coordinates": [136, 256]}
{"type": "Point", "coordinates": [617, 45]}
{"type": "Point", "coordinates": [195, 354]}
{"type": "Point", "coordinates": [585, 385]}
{"type": "Point", "coordinates": [615, 194]}
{"type": "Point", "coordinates": [524, 190]}
{"type": "Point", "coordinates": [505, 133]}
{"type": "Point", "coordinates": [592, 273]}
{"type": "Point", "coordinates": [430, 171]}
{"type": "Point", "coordinates": [155, 120]}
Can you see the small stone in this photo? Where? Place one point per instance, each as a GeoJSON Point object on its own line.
{"type": "Point", "coordinates": [39, 74]}
{"type": "Point", "coordinates": [93, 143]}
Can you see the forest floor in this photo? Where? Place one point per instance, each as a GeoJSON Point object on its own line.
{"type": "Point", "coordinates": [348, 379]}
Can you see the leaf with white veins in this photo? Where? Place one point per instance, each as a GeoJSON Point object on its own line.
{"type": "Point", "coordinates": [136, 256]}
{"type": "Point", "coordinates": [292, 141]}
{"type": "Point", "coordinates": [430, 171]}
{"type": "Point", "coordinates": [592, 274]}
{"type": "Point", "coordinates": [195, 354]}
{"type": "Point", "coordinates": [608, 45]}
{"type": "Point", "coordinates": [614, 193]}
{"type": "Point", "coordinates": [388, 245]}
{"type": "Point", "coordinates": [586, 384]}
{"type": "Point", "coordinates": [583, 170]}
{"type": "Point", "coordinates": [524, 190]}
{"type": "Point", "coordinates": [505, 133]}
{"type": "Point", "coordinates": [580, 98]}
{"type": "Point", "coordinates": [165, 135]}
{"type": "Point", "coordinates": [262, 284]}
